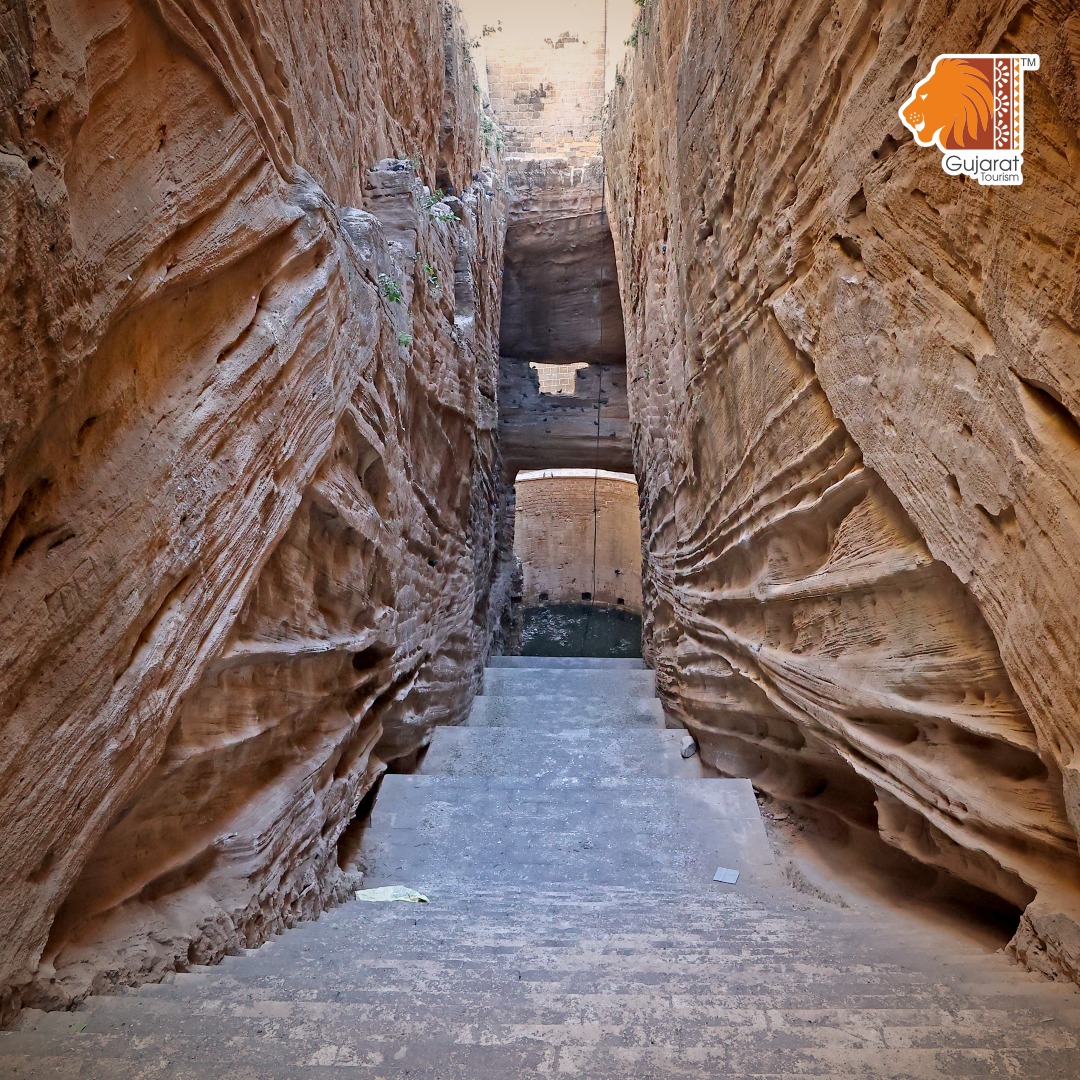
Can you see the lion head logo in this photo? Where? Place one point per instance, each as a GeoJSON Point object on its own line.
{"type": "Point", "coordinates": [952, 106]}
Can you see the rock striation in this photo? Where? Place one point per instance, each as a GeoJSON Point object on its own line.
{"type": "Point", "coordinates": [853, 383]}
{"type": "Point", "coordinates": [247, 475]}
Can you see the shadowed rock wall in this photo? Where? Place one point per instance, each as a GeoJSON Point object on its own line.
{"type": "Point", "coordinates": [247, 457]}
{"type": "Point", "coordinates": [561, 288]}
{"type": "Point", "coordinates": [560, 431]}
{"type": "Point", "coordinates": [854, 391]}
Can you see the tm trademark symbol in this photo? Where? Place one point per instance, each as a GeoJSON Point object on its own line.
{"type": "Point", "coordinates": [1029, 63]}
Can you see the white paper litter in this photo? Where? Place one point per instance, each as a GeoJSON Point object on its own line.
{"type": "Point", "coordinates": [728, 877]}
{"type": "Point", "coordinates": [390, 893]}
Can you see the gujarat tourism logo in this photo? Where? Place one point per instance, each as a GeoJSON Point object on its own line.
{"type": "Point", "coordinates": [972, 109]}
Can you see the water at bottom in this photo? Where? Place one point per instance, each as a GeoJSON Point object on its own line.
{"type": "Point", "coordinates": [581, 630]}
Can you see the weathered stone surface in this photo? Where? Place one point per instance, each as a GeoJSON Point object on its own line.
{"type": "Point", "coordinates": [246, 496]}
{"type": "Point", "coordinates": [545, 66]}
{"type": "Point", "coordinates": [854, 388]}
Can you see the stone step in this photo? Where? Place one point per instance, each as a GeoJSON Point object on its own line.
{"type": "Point", "coordinates": [456, 1004]}
{"type": "Point", "coordinates": [55, 1023]}
{"type": "Point", "coordinates": [544, 685]}
{"type": "Point", "coordinates": [573, 663]}
{"type": "Point", "coordinates": [469, 936]}
{"type": "Point", "coordinates": [363, 968]}
{"type": "Point", "coordinates": [510, 752]}
{"type": "Point", "coordinates": [573, 929]}
{"type": "Point", "coordinates": [657, 1047]}
{"type": "Point", "coordinates": [529, 999]}
{"type": "Point", "coordinates": [575, 1023]}
{"type": "Point", "coordinates": [461, 996]}
{"type": "Point", "coordinates": [555, 713]}
{"type": "Point", "coordinates": [514, 988]}
{"type": "Point", "coordinates": [426, 831]}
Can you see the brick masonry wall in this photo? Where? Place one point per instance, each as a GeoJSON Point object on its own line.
{"type": "Point", "coordinates": [545, 73]}
{"type": "Point", "coordinates": [553, 537]}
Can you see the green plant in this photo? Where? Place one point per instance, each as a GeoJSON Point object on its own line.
{"type": "Point", "coordinates": [442, 212]}
{"type": "Point", "coordinates": [390, 289]}
{"type": "Point", "coordinates": [432, 276]}
{"type": "Point", "coordinates": [493, 137]}
{"type": "Point", "coordinates": [620, 80]}
{"type": "Point", "coordinates": [430, 198]}
{"type": "Point", "coordinates": [404, 340]}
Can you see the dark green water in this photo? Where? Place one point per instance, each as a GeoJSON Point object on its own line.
{"type": "Point", "coordinates": [580, 630]}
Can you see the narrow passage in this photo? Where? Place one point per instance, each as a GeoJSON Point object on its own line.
{"type": "Point", "coordinates": [573, 929]}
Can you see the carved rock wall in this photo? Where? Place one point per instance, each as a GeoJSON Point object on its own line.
{"type": "Point", "coordinates": [546, 69]}
{"type": "Point", "coordinates": [561, 305]}
{"type": "Point", "coordinates": [562, 431]}
{"type": "Point", "coordinates": [855, 392]}
{"type": "Point", "coordinates": [246, 489]}
{"type": "Point", "coordinates": [545, 66]}
{"type": "Point", "coordinates": [561, 294]}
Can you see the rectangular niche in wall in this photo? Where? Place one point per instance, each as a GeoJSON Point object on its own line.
{"type": "Point", "coordinates": [557, 378]}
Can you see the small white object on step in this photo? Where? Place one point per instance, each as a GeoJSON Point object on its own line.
{"type": "Point", "coordinates": [728, 877]}
{"type": "Point", "coordinates": [689, 746]}
{"type": "Point", "coordinates": [391, 893]}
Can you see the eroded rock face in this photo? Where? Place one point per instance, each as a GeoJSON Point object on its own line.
{"type": "Point", "coordinates": [247, 489]}
{"type": "Point", "coordinates": [854, 388]}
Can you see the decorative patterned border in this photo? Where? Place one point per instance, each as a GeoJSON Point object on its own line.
{"type": "Point", "coordinates": [1004, 111]}
{"type": "Point", "coordinates": [1018, 105]}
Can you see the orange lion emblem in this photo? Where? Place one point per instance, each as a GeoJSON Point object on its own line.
{"type": "Point", "coordinates": [953, 106]}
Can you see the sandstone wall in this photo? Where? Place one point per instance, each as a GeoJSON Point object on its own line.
{"type": "Point", "coordinates": [246, 490]}
{"type": "Point", "coordinates": [553, 537]}
{"type": "Point", "coordinates": [855, 391]}
{"type": "Point", "coordinates": [561, 288]}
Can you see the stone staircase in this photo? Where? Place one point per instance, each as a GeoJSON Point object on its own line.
{"type": "Point", "coordinates": [574, 929]}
